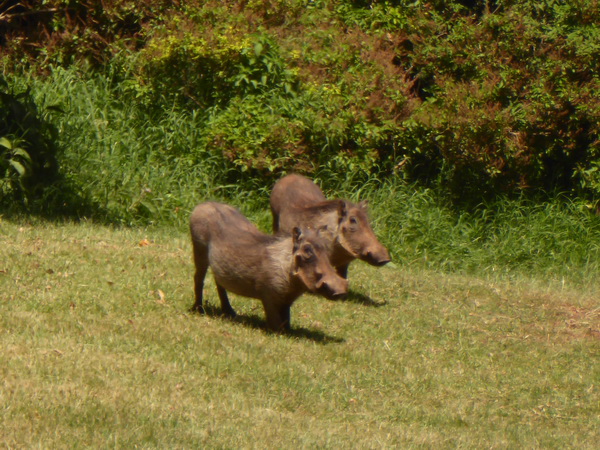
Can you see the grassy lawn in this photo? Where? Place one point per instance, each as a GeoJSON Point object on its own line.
{"type": "Point", "coordinates": [98, 349]}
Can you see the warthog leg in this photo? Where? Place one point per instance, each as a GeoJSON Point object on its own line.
{"type": "Point", "coordinates": [225, 305]}
{"type": "Point", "coordinates": [278, 316]}
{"type": "Point", "coordinates": [201, 262]}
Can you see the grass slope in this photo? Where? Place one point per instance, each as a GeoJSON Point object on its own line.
{"type": "Point", "coordinates": [98, 350]}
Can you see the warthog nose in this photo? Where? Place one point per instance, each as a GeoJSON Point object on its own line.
{"type": "Point", "coordinates": [340, 289]}
{"type": "Point", "coordinates": [378, 258]}
{"type": "Point", "coordinates": [339, 295]}
{"type": "Point", "coordinates": [334, 289]}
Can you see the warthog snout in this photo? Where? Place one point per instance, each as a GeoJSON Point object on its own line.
{"type": "Point", "coordinates": [333, 287]}
{"type": "Point", "coordinates": [378, 256]}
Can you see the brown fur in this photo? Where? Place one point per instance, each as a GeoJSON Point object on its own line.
{"type": "Point", "coordinates": [297, 201]}
{"type": "Point", "coordinates": [245, 261]}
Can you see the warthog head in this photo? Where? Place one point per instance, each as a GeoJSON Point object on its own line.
{"type": "Point", "coordinates": [311, 265]}
{"type": "Point", "coordinates": [356, 236]}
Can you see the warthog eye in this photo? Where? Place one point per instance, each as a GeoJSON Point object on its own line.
{"type": "Point", "coordinates": [309, 253]}
{"type": "Point", "coordinates": [353, 220]}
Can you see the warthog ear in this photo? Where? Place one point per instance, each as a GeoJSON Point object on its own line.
{"type": "Point", "coordinates": [296, 265]}
{"type": "Point", "coordinates": [297, 234]}
{"type": "Point", "coordinates": [364, 204]}
{"type": "Point", "coordinates": [342, 210]}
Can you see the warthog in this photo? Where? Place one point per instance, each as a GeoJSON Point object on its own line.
{"type": "Point", "coordinates": [297, 201]}
{"type": "Point", "coordinates": [245, 261]}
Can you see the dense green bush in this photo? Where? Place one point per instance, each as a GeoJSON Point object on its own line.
{"type": "Point", "coordinates": [474, 98]}
{"type": "Point", "coordinates": [28, 152]}
{"type": "Point", "coordinates": [520, 112]}
{"type": "Point", "coordinates": [54, 32]}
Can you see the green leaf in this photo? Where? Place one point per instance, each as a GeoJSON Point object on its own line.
{"type": "Point", "coordinates": [258, 48]}
{"type": "Point", "coordinates": [23, 154]}
{"type": "Point", "coordinates": [5, 143]}
{"type": "Point", "coordinates": [20, 168]}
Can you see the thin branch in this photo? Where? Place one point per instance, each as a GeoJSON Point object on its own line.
{"type": "Point", "coordinates": [5, 17]}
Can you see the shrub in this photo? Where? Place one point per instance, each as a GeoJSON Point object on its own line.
{"type": "Point", "coordinates": [473, 98]}
{"type": "Point", "coordinates": [520, 113]}
{"type": "Point", "coordinates": [62, 32]}
{"type": "Point", "coordinates": [207, 70]}
{"type": "Point", "coordinates": [28, 154]}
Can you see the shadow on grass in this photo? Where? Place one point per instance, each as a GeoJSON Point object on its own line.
{"type": "Point", "coordinates": [361, 299]}
{"type": "Point", "coordinates": [258, 322]}
{"type": "Point", "coordinates": [60, 201]}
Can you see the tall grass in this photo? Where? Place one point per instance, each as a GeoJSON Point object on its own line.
{"type": "Point", "coordinates": [557, 239]}
{"type": "Point", "coordinates": [140, 165]}
{"type": "Point", "coordinates": [135, 164]}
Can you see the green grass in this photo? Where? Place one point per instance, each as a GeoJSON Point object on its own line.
{"type": "Point", "coordinates": [124, 163]}
{"type": "Point", "coordinates": [98, 350]}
